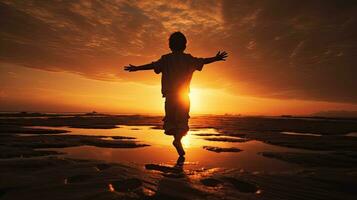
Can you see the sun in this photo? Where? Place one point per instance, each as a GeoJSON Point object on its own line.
{"type": "Point", "coordinates": [195, 99]}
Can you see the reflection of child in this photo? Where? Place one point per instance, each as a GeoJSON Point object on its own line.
{"type": "Point", "coordinates": [177, 69]}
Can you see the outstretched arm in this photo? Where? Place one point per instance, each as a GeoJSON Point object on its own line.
{"type": "Point", "coordinates": [133, 68]}
{"type": "Point", "coordinates": [220, 56]}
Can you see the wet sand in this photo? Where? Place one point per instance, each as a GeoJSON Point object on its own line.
{"type": "Point", "coordinates": [128, 157]}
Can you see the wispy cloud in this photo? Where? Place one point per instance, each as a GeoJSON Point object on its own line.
{"type": "Point", "coordinates": [278, 49]}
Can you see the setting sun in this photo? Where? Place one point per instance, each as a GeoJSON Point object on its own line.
{"type": "Point", "coordinates": [196, 99]}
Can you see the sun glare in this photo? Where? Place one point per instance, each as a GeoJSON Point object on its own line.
{"type": "Point", "coordinates": [195, 99]}
{"type": "Point", "coordinates": [186, 141]}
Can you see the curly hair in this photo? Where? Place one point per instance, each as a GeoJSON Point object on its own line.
{"type": "Point", "coordinates": [177, 41]}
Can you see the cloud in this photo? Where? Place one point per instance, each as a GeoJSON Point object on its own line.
{"type": "Point", "coordinates": [278, 49]}
{"type": "Point", "coordinates": [85, 37]}
{"type": "Point", "coordinates": [302, 49]}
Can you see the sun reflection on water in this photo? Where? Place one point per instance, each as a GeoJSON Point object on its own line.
{"type": "Point", "coordinates": [186, 141]}
{"type": "Point", "coordinates": [162, 151]}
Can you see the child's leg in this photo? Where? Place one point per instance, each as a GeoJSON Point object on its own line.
{"type": "Point", "coordinates": [178, 145]}
{"type": "Point", "coordinates": [179, 162]}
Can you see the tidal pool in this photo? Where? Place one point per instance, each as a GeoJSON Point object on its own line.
{"type": "Point", "coordinates": [161, 150]}
{"type": "Point", "coordinates": [303, 134]}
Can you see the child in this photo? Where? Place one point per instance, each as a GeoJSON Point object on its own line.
{"type": "Point", "coordinates": [177, 69]}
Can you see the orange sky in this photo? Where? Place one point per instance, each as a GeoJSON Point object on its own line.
{"type": "Point", "coordinates": [68, 56]}
{"type": "Point", "coordinates": [37, 90]}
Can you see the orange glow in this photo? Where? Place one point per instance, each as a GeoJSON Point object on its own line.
{"type": "Point", "coordinates": [186, 140]}
{"type": "Point", "coordinates": [60, 91]}
{"type": "Point", "coordinates": [69, 66]}
{"type": "Point", "coordinates": [195, 98]}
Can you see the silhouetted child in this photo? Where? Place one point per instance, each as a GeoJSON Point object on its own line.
{"type": "Point", "coordinates": [177, 69]}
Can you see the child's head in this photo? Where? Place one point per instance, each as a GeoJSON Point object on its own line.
{"type": "Point", "coordinates": [177, 42]}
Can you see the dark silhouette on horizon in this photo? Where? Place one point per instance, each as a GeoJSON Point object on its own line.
{"type": "Point", "coordinates": [177, 69]}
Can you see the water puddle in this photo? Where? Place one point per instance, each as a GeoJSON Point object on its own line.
{"type": "Point", "coordinates": [352, 134]}
{"type": "Point", "coordinates": [303, 134]}
{"type": "Point", "coordinates": [161, 151]}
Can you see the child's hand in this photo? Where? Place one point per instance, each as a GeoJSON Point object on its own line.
{"type": "Point", "coordinates": [221, 55]}
{"type": "Point", "coordinates": [130, 68]}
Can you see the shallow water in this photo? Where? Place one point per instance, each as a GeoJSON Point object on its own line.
{"type": "Point", "coordinates": [297, 133]}
{"type": "Point", "coordinates": [352, 134]}
{"type": "Point", "coordinates": [161, 151]}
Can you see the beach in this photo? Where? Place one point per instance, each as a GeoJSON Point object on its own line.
{"type": "Point", "coordinates": [100, 156]}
